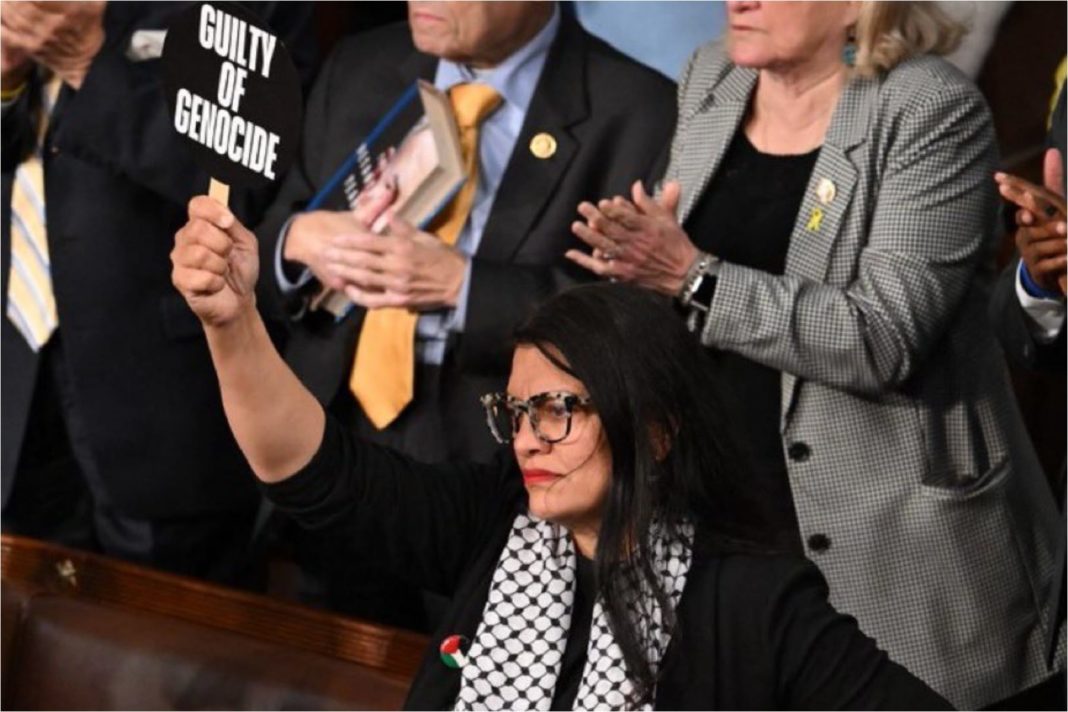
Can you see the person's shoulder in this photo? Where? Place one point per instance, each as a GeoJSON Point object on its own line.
{"type": "Point", "coordinates": [708, 68]}
{"type": "Point", "coordinates": [926, 69]}
{"type": "Point", "coordinates": [380, 47]}
{"type": "Point", "coordinates": [610, 69]}
{"type": "Point", "coordinates": [926, 79]}
{"type": "Point", "coordinates": [709, 62]}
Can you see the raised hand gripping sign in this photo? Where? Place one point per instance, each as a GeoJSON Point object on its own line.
{"type": "Point", "coordinates": [234, 95]}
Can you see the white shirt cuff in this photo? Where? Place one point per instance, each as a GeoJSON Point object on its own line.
{"type": "Point", "coordinates": [1045, 317]}
{"type": "Point", "coordinates": [456, 318]}
{"type": "Point", "coordinates": [287, 286]}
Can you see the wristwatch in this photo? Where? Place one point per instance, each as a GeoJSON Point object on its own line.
{"type": "Point", "coordinates": [699, 286]}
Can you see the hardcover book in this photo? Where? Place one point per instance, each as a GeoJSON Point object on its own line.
{"type": "Point", "coordinates": [417, 145]}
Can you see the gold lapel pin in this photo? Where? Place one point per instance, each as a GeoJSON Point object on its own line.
{"type": "Point", "coordinates": [826, 191]}
{"type": "Point", "coordinates": [543, 146]}
{"type": "Point", "coordinates": [814, 220]}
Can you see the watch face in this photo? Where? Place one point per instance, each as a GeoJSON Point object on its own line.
{"type": "Point", "coordinates": [706, 288]}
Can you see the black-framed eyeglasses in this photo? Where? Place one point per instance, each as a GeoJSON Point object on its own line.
{"type": "Point", "coordinates": [549, 414]}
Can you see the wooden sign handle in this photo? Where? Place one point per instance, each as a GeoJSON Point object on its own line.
{"type": "Point", "coordinates": [217, 190]}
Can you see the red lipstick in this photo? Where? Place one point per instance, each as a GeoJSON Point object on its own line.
{"type": "Point", "coordinates": [539, 477]}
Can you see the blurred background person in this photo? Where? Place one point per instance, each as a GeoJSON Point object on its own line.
{"type": "Point", "coordinates": [827, 212]}
{"type": "Point", "coordinates": [112, 427]}
{"type": "Point", "coordinates": [1028, 314]}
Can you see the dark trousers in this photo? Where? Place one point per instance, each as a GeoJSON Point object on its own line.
{"type": "Point", "coordinates": [59, 495]}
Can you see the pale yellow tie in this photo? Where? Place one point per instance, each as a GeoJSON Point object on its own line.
{"type": "Point", "coordinates": [31, 303]}
{"type": "Point", "coordinates": [383, 374]}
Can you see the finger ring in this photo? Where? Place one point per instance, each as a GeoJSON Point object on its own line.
{"type": "Point", "coordinates": [608, 256]}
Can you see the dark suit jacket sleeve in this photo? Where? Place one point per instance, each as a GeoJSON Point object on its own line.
{"type": "Point", "coordinates": [1008, 317]}
{"type": "Point", "coordinates": [120, 119]}
{"type": "Point", "coordinates": [17, 131]}
{"type": "Point", "coordinates": [299, 185]}
{"type": "Point", "coordinates": [1011, 325]}
{"type": "Point", "coordinates": [421, 522]}
{"type": "Point", "coordinates": [777, 613]}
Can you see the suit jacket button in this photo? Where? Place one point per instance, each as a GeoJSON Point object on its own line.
{"type": "Point", "coordinates": [819, 543]}
{"type": "Point", "coordinates": [798, 452]}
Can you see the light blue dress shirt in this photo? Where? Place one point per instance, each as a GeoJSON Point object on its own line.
{"type": "Point", "coordinates": [659, 34]}
{"type": "Point", "coordinates": [515, 80]}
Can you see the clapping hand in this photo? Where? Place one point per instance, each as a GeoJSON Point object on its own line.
{"type": "Point", "coordinates": [1040, 218]}
{"type": "Point", "coordinates": [63, 36]}
{"type": "Point", "coordinates": [637, 240]}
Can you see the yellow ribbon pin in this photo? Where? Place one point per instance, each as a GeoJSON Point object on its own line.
{"type": "Point", "coordinates": [814, 220]}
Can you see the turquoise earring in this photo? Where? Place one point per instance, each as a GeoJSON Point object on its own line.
{"type": "Point", "coordinates": [849, 52]}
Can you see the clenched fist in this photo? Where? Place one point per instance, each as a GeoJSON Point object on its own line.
{"type": "Point", "coordinates": [215, 263]}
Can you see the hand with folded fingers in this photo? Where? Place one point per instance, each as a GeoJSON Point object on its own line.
{"type": "Point", "coordinates": [215, 263]}
{"type": "Point", "coordinates": [63, 36]}
{"type": "Point", "coordinates": [637, 240]}
{"type": "Point", "coordinates": [403, 268]}
{"type": "Point", "coordinates": [1041, 228]}
{"type": "Point", "coordinates": [312, 239]}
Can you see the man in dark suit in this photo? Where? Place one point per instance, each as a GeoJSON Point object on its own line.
{"type": "Point", "coordinates": [575, 119]}
{"type": "Point", "coordinates": [1028, 313]}
{"type": "Point", "coordinates": [1027, 307]}
{"type": "Point", "coordinates": [113, 431]}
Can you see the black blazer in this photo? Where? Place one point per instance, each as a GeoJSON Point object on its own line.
{"type": "Point", "coordinates": [117, 181]}
{"type": "Point", "coordinates": [1014, 333]}
{"type": "Point", "coordinates": [612, 120]}
{"type": "Point", "coordinates": [754, 632]}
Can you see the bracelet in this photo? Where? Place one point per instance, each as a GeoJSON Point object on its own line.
{"type": "Point", "coordinates": [9, 94]}
{"type": "Point", "coordinates": [1033, 289]}
{"type": "Point", "coordinates": [694, 276]}
{"type": "Point", "coordinates": [692, 279]}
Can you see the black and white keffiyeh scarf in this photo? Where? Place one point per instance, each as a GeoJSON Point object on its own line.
{"type": "Point", "coordinates": [515, 658]}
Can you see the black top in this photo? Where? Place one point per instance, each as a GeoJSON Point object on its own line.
{"type": "Point", "coordinates": [745, 217]}
{"type": "Point", "coordinates": [578, 638]}
{"type": "Point", "coordinates": [753, 632]}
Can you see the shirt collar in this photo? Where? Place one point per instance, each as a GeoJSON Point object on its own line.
{"type": "Point", "coordinates": [516, 77]}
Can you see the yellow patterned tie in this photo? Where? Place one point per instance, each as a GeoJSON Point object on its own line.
{"type": "Point", "coordinates": [383, 374]}
{"type": "Point", "coordinates": [31, 303]}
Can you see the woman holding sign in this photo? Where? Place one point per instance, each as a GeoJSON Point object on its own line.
{"type": "Point", "coordinates": [593, 567]}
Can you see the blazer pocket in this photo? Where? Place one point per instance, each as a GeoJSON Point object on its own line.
{"type": "Point", "coordinates": [955, 488]}
{"type": "Point", "coordinates": [179, 321]}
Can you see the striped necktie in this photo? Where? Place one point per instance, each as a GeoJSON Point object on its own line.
{"type": "Point", "coordinates": [31, 303]}
{"type": "Point", "coordinates": [383, 373]}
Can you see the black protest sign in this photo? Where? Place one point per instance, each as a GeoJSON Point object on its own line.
{"type": "Point", "coordinates": [233, 93]}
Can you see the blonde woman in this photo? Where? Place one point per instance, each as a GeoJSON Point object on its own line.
{"type": "Point", "coordinates": [825, 216]}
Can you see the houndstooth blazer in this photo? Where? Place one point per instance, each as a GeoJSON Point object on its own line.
{"type": "Point", "coordinates": [917, 490]}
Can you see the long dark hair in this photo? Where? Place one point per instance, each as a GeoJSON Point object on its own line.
{"type": "Point", "coordinates": [648, 380]}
